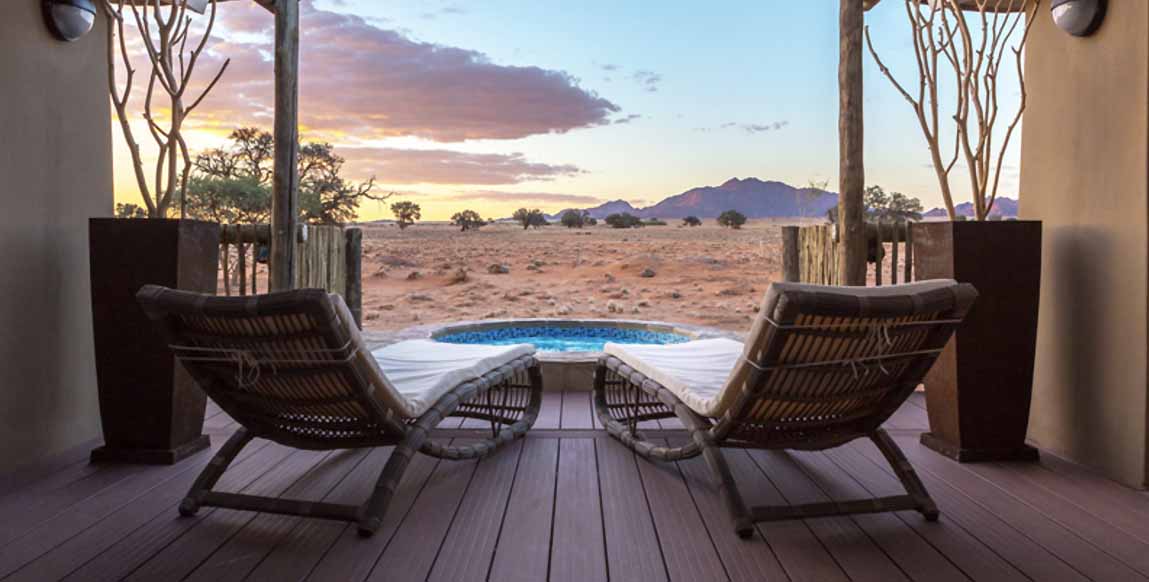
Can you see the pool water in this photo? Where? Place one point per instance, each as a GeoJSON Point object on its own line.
{"type": "Point", "coordinates": [563, 338]}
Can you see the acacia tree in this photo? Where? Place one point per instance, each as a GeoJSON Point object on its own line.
{"type": "Point", "coordinates": [233, 184]}
{"type": "Point", "coordinates": [406, 213]}
{"type": "Point", "coordinates": [896, 206]}
{"type": "Point", "coordinates": [692, 221]}
{"type": "Point", "coordinates": [973, 48]}
{"type": "Point", "coordinates": [164, 32]}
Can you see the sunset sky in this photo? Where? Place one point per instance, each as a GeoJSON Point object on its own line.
{"type": "Point", "coordinates": [498, 104]}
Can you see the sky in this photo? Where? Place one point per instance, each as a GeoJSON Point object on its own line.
{"type": "Point", "coordinates": [499, 104]}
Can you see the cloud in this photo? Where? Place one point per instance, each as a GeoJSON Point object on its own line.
{"type": "Point", "coordinates": [406, 166]}
{"type": "Point", "coordinates": [362, 81]}
{"type": "Point", "coordinates": [747, 127]}
{"type": "Point", "coordinates": [627, 119]}
{"type": "Point", "coordinates": [525, 197]}
{"type": "Point", "coordinates": [648, 80]}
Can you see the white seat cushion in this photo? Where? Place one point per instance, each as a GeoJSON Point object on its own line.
{"type": "Point", "coordinates": [422, 371]}
{"type": "Point", "coordinates": [696, 372]}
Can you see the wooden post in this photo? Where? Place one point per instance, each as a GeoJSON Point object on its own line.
{"type": "Point", "coordinates": [791, 255]}
{"type": "Point", "coordinates": [354, 273]}
{"type": "Point", "coordinates": [851, 171]}
{"type": "Point", "coordinates": [285, 188]}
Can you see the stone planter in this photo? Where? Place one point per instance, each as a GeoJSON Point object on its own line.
{"type": "Point", "coordinates": [978, 394]}
{"type": "Point", "coordinates": [151, 409]}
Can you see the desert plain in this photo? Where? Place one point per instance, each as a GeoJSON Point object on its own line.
{"type": "Point", "coordinates": [705, 275]}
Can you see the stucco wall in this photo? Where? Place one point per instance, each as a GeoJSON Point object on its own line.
{"type": "Point", "coordinates": [55, 172]}
{"type": "Point", "coordinates": [1084, 168]}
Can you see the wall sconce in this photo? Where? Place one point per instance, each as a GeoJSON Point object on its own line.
{"type": "Point", "coordinates": [69, 19]}
{"type": "Point", "coordinates": [1078, 17]}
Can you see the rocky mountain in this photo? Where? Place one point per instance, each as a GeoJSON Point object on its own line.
{"type": "Point", "coordinates": [1003, 207]}
{"type": "Point", "coordinates": [753, 197]}
{"type": "Point", "coordinates": [602, 210]}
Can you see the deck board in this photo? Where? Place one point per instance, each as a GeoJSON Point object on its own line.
{"type": "Point", "coordinates": [996, 533]}
{"type": "Point", "coordinates": [687, 549]}
{"type": "Point", "coordinates": [578, 552]}
{"type": "Point", "coordinates": [416, 542]}
{"type": "Point", "coordinates": [522, 553]}
{"type": "Point", "coordinates": [1064, 543]}
{"type": "Point", "coordinates": [633, 551]}
{"type": "Point", "coordinates": [969, 554]}
{"type": "Point", "coordinates": [246, 549]}
{"type": "Point", "coordinates": [352, 557]}
{"type": "Point", "coordinates": [470, 543]}
{"type": "Point", "coordinates": [854, 551]}
{"type": "Point", "coordinates": [570, 503]}
{"type": "Point", "coordinates": [576, 411]}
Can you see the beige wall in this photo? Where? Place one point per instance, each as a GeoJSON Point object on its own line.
{"type": "Point", "coordinates": [1084, 168]}
{"type": "Point", "coordinates": [55, 172]}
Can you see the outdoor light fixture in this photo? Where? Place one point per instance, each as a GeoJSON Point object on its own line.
{"type": "Point", "coordinates": [1078, 17]}
{"type": "Point", "coordinates": [69, 19]}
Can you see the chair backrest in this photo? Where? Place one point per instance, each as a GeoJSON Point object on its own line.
{"type": "Point", "coordinates": [825, 364]}
{"type": "Point", "coordinates": [289, 366]}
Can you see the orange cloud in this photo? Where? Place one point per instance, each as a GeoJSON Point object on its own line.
{"type": "Point", "coordinates": [361, 81]}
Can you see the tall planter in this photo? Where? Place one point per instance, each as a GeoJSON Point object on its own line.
{"type": "Point", "coordinates": [978, 394]}
{"type": "Point", "coordinates": [151, 409]}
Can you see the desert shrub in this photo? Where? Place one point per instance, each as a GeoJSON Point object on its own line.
{"type": "Point", "coordinates": [624, 220]}
{"type": "Point", "coordinates": [577, 219]}
{"type": "Point", "coordinates": [732, 219]}
{"type": "Point", "coordinates": [692, 221]}
{"type": "Point", "coordinates": [468, 220]}
{"type": "Point", "coordinates": [653, 222]}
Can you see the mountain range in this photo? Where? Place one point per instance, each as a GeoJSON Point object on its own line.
{"type": "Point", "coordinates": [1003, 207]}
{"type": "Point", "coordinates": [753, 197]}
{"type": "Point", "coordinates": [756, 199]}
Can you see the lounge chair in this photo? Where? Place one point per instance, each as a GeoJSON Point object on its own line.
{"type": "Point", "coordinates": [292, 368]}
{"type": "Point", "coordinates": [822, 366]}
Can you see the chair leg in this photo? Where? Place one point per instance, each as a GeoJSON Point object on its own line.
{"type": "Point", "coordinates": [371, 513]}
{"type": "Point", "coordinates": [906, 474]}
{"type": "Point", "coordinates": [214, 470]}
{"type": "Point", "coordinates": [743, 520]}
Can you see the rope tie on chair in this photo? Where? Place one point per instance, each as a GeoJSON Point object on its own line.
{"type": "Point", "coordinates": [249, 363]}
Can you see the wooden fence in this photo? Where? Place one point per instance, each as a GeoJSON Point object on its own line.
{"type": "Point", "coordinates": [810, 253]}
{"type": "Point", "coordinates": [327, 257]}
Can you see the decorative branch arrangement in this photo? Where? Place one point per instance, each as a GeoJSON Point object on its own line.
{"type": "Point", "coordinates": [973, 47]}
{"type": "Point", "coordinates": [164, 32]}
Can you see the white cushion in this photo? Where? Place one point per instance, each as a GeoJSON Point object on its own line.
{"type": "Point", "coordinates": [696, 372]}
{"type": "Point", "coordinates": [422, 371]}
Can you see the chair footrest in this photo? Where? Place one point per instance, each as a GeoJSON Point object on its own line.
{"type": "Point", "coordinates": [831, 508]}
{"type": "Point", "coordinates": [280, 506]}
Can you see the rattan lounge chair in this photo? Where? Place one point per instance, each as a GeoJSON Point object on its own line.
{"type": "Point", "coordinates": [822, 366]}
{"type": "Point", "coordinates": [292, 368]}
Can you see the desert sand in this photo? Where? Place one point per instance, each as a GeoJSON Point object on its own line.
{"type": "Point", "coordinates": [432, 273]}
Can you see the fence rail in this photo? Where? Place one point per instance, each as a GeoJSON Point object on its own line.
{"type": "Point", "coordinates": [810, 254]}
{"type": "Point", "coordinates": [326, 257]}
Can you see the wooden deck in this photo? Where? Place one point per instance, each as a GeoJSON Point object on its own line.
{"type": "Point", "coordinates": [568, 503]}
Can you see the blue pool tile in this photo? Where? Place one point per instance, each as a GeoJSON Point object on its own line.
{"type": "Point", "coordinates": [563, 338]}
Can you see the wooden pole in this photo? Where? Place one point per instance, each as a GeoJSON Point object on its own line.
{"type": "Point", "coordinates": [851, 171]}
{"type": "Point", "coordinates": [791, 255]}
{"type": "Point", "coordinates": [285, 188]}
